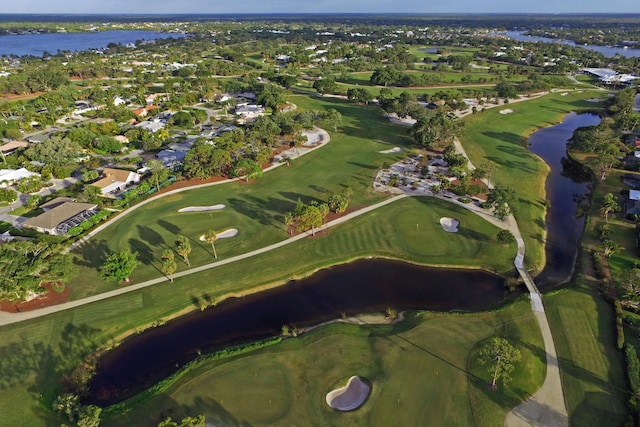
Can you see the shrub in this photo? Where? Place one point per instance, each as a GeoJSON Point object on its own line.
{"type": "Point", "coordinates": [8, 195]}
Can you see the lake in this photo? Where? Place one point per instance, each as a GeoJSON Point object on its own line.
{"type": "Point", "coordinates": [37, 44]}
{"type": "Point", "coordinates": [365, 286]}
{"type": "Point", "coordinates": [567, 187]}
{"type": "Point", "coordinates": [608, 51]}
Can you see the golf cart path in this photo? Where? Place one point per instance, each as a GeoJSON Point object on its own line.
{"type": "Point", "coordinates": [546, 407]}
{"type": "Point", "coordinates": [8, 318]}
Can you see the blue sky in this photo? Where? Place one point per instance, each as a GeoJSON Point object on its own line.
{"type": "Point", "coordinates": [318, 6]}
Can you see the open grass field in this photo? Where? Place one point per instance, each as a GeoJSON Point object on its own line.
{"type": "Point", "coordinates": [418, 370]}
{"type": "Point", "coordinates": [591, 368]}
{"type": "Point", "coordinates": [501, 140]}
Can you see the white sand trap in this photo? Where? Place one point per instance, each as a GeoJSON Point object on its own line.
{"type": "Point", "coordinates": [449, 224]}
{"type": "Point", "coordinates": [349, 397]}
{"type": "Point", "coordinates": [564, 94]}
{"type": "Point", "coordinates": [226, 234]}
{"type": "Point", "coordinates": [202, 208]}
{"type": "Point", "coordinates": [506, 111]}
{"type": "Point", "coordinates": [594, 100]}
{"type": "Point", "coordinates": [393, 150]}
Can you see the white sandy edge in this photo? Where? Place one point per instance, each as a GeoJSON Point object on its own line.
{"type": "Point", "coordinates": [506, 111]}
{"type": "Point", "coordinates": [393, 150]}
{"type": "Point", "coordinates": [449, 224]}
{"type": "Point", "coordinates": [349, 397]}
{"type": "Point", "coordinates": [226, 234]}
{"type": "Point", "coordinates": [594, 100]}
{"type": "Point", "coordinates": [202, 208]}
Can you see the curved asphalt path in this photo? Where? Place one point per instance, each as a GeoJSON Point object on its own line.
{"type": "Point", "coordinates": [8, 318]}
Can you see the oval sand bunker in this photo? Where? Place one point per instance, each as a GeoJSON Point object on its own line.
{"type": "Point", "coordinates": [226, 234]}
{"type": "Point", "coordinates": [449, 224]}
{"type": "Point", "coordinates": [201, 208]}
{"type": "Point", "coordinates": [349, 397]}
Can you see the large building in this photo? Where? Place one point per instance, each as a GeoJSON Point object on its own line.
{"type": "Point", "coordinates": [609, 76]}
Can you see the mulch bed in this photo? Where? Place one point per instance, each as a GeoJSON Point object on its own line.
{"type": "Point", "coordinates": [48, 298]}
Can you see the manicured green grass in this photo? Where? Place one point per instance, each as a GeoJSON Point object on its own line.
{"type": "Point", "coordinates": [418, 370]}
{"type": "Point", "coordinates": [591, 368]}
{"type": "Point", "coordinates": [257, 210]}
{"type": "Point", "coordinates": [501, 140]}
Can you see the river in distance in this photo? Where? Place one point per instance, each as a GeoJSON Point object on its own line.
{"type": "Point", "coordinates": [37, 44]}
{"type": "Point", "coordinates": [608, 51]}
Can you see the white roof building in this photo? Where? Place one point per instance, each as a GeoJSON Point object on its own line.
{"type": "Point", "coordinates": [13, 175]}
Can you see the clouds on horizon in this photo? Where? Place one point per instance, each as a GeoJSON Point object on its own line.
{"type": "Point", "coordinates": [320, 6]}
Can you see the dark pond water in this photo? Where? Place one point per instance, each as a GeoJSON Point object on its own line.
{"type": "Point", "coordinates": [37, 44]}
{"type": "Point", "coordinates": [566, 187]}
{"type": "Point", "coordinates": [364, 286]}
{"type": "Point", "coordinates": [608, 51]}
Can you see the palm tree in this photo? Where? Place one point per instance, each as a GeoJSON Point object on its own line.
{"type": "Point", "coordinates": [609, 205]}
{"type": "Point", "coordinates": [211, 236]}
{"type": "Point", "coordinates": [289, 220]}
{"type": "Point", "coordinates": [184, 248]}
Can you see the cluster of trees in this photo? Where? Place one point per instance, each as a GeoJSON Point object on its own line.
{"type": "Point", "coordinates": [621, 107]}
{"type": "Point", "coordinates": [41, 79]}
{"type": "Point", "coordinates": [242, 151]}
{"type": "Point", "coordinates": [305, 217]}
{"type": "Point", "coordinates": [434, 128]}
{"type": "Point", "coordinates": [26, 265]}
{"type": "Point", "coordinates": [501, 201]}
{"type": "Point", "coordinates": [602, 143]}
{"type": "Point", "coordinates": [77, 413]}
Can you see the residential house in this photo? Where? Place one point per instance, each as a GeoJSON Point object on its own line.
{"type": "Point", "coordinates": [53, 203]}
{"type": "Point", "coordinates": [11, 176]}
{"type": "Point", "coordinates": [151, 126]}
{"type": "Point", "coordinates": [38, 138]}
{"type": "Point", "coordinates": [144, 111]}
{"type": "Point", "coordinates": [11, 146]}
{"type": "Point", "coordinates": [59, 220]}
{"type": "Point", "coordinates": [117, 100]}
{"type": "Point", "coordinates": [116, 180]}
{"type": "Point", "coordinates": [632, 204]}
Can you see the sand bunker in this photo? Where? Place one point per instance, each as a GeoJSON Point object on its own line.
{"type": "Point", "coordinates": [449, 224]}
{"type": "Point", "coordinates": [594, 100]}
{"type": "Point", "coordinates": [349, 397]}
{"type": "Point", "coordinates": [202, 208]}
{"type": "Point", "coordinates": [506, 111]}
{"type": "Point", "coordinates": [393, 150]}
{"type": "Point", "coordinates": [226, 234]}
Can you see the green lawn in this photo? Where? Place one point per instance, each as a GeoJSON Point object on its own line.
{"type": "Point", "coordinates": [591, 368]}
{"type": "Point", "coordinates": [501, 139]}
{"type": "Point", "coordinates": [286, 384]}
